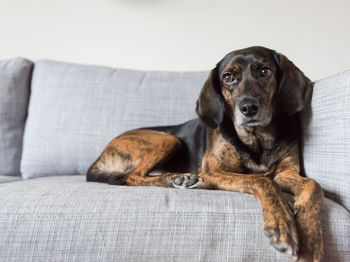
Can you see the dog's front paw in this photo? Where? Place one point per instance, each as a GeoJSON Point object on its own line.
{"type": "Point", "coordinates": [185, 181]}
{"type": "Point", "coordinates": [309, 224]}
{"type": "Point", "coordinates": [279, 227]}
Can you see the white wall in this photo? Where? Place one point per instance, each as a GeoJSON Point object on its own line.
{"type": "Point", "coordinates": [176, 34]}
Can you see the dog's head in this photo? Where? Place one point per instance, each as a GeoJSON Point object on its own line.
{"type": "Point", "coordinates": [252, 85]}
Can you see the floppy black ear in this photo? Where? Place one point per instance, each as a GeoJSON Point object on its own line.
{"type": "Point", "coordinates": [209, 106]}
{"type": "Point", "coordinates": [294, 87]}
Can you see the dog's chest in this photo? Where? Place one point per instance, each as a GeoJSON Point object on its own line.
{"type": "Point", "coordinates": [226, 156]}
{"type": "Point", "coordinates": [222, 155]}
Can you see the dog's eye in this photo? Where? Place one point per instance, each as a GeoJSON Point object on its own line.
{"type": "Point", "coordinates": [265, 72]}
{"type": "Point", "coordinates": [228, 78]}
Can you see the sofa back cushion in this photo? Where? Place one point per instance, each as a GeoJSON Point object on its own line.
{"type": "Point", "coordinates": [15, 75]}
{"type": "Point", "coordinates": [75, 110]}
{"type": "Point", "coordinates": [326, 133]}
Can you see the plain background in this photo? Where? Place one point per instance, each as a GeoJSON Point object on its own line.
{"type": "Point", "coordinates": [176, 34]}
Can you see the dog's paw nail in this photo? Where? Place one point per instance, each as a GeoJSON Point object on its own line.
{"type": "Point", "coordinates": [179, 180]}
{"type": "Point", "coordinates": [295, 258]}
{"type": "Point", "coordinates": [294, 252]}
{"type": "Point", "coordinates": [268, 232]}
{"type": "Point", "coordinates": [272, 234]}
{"type": "Point", "coordinates": [281, 247]}
{"type": "Point", "coordinates": [191, 181]}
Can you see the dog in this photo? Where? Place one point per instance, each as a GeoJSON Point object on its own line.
{"type": "Point", "coordinates": [246, 139]}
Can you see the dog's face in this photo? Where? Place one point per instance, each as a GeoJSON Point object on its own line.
{"type": "Point", "coordinates": [248, 84]}
{"type": "Point", "coordinates": [251, 86]}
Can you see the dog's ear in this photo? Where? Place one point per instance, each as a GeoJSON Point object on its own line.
{"type": "Point", "coordinates": [294, 87]}
{"type": "Point", "coordinates": [209, 106]}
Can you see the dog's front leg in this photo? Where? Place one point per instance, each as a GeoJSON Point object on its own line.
{"type": "Point", "coordinates": [307, 207]}
{"type": "Point", "coordinates": [279, 225]}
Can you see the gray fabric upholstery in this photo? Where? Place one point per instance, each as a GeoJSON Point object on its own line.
{"type": "Point", "coordinates": [67, 219]}
{"type": "Point", "coordinates": [326, 132]}
{"type": "Point", "coordinates": [76, 110]}
{"type": "Point", "coordinates": [15, 77]}
{"type": "Point", "coordinates": [6, 179]}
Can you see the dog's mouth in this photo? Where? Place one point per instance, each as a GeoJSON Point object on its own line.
{"type": "Point", "coordinates": [261, 119]}
{"type": "Point", "coordinates": [252, 122]}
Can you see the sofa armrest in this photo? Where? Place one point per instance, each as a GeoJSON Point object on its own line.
{"type": "Point", "coordinates": [326, 137]}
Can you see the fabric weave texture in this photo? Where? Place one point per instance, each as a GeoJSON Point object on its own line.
{"type": "Point", "coordinates": [64, 218]}
{"type": "Point", "coordinates": [15, 76]}
{"type": "Point", "coordinates": [326, 135]}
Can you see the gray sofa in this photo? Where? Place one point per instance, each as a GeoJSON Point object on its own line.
{"type": "Point", "coordinates": [56, 118]}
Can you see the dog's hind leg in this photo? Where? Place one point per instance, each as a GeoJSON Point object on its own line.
{"type": "Point", "coordinates": [129, 158]}
{"type": "Point", "coordinates": [112, 165]}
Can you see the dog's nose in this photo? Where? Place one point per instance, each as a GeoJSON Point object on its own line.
{"type": "Point", "coordinates": [249, 107]}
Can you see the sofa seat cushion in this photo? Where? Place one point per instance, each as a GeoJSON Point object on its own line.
{"type": "Point", "coordinates": [6, 179]}
{"type": "Point", "coordinates": [65, 218]}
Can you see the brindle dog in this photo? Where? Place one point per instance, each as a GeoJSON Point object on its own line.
{"type": "Point", "coordinates": [246, 140]}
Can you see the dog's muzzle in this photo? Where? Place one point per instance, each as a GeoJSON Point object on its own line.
{"type": "Point", "coordinates": [247, 113]}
